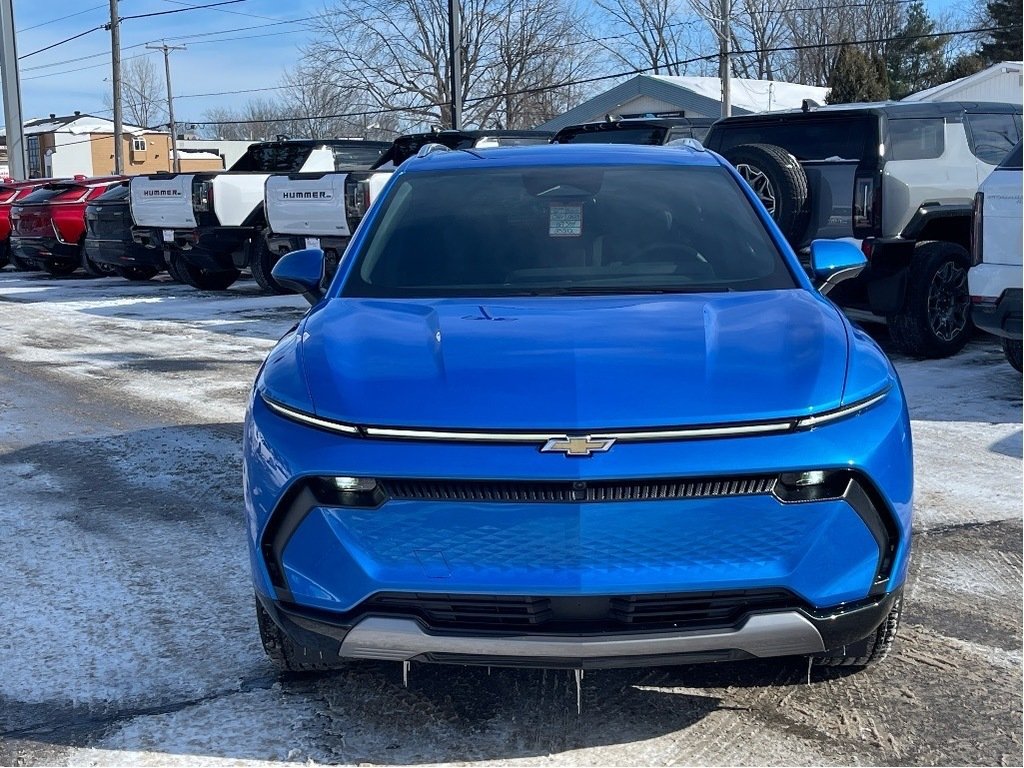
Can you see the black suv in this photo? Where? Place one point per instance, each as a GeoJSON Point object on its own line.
{"type": "Point", "coordinates": [900, 178]}
{"type": "Point", "coordinates": [635, 130]}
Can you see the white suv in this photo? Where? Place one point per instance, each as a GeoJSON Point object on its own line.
{"type": "Point", "coordinates": [995, 279]}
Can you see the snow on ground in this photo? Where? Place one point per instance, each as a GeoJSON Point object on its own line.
{"type": "Point", "coordinates": [130, 637]}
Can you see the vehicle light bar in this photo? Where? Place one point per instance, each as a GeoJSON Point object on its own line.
{"type": "Point", "coordinates": [778, 426]}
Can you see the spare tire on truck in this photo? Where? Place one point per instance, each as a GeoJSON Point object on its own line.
{"type": "Point", "coordinates": [778, 180]}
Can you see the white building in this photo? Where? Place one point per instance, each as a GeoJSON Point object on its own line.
{"type": "Point", "coordinates": [1003, 82]}
{"type": "Point", "coordinates": [687, 97]}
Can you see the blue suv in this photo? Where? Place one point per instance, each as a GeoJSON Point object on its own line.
{"type": "Point", "coordinates": [575, 406]}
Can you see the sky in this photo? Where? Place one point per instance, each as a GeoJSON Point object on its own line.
{"type": "Point", "coordinates": [76, 75]}
{"type": "Point", "coordinates": [230, 49]}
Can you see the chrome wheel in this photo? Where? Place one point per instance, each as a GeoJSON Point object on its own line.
{"type": "Point", "coordinates": [761, 185]}
{"type": "Point", "coordinates": [948, 301]}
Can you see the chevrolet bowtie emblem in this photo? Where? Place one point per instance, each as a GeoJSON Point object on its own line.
{"type": "Point", "coordinates": [581, 445]}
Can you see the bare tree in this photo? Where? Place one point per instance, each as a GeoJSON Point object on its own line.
{"type": "Point", "coordinates": [761, 27]}
{"type": "Point", "coordinates": [394, 54]}
{"type": "Point", "coordinates": [143, 93]}
{"type": "Point", "coordinates": [535, 49]}
{"type": "Point", "coordinates": [655, 34]}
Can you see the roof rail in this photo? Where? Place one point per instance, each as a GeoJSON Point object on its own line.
{"type": "Point", "coordinates": [431, 148]}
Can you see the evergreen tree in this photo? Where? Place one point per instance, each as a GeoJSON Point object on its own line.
{"type": "Point", "coordinates": [962, 66]}
{"type": "Point", "coordinates": [857, 77]}
{"type": "Point", "coordinates": [914, 62]}
{"type": "Point", "coordinates": [1004, 44]}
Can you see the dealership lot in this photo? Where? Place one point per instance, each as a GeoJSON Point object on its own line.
{"type": "Point", "coordinates": [130, 632]}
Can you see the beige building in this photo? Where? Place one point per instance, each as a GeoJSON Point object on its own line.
{"type": "Point", "coordinates": [84, 144]}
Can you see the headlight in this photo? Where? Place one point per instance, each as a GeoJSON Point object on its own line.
{"type": "Point", "coordinates": [307, 418]}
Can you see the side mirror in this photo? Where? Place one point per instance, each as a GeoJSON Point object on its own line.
{"type": "Point", "coordinates": [833, 261]}
{"type": "Point", "coordinates": [302, 272]}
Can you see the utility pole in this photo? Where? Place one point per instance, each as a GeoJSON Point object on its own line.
{"type": "Point", "coordinates": [170, 99]}
{"type": "Point", "coordinates": [11, 91]}
{"type": "Point", "coordinates": [455, 59]}
{"type": "Point", "coordinates": [115, 62]}
{"type": "Point", "coordinates": [723, 60]}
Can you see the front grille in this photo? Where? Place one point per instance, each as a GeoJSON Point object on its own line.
{"type": "Point", "coordinates": [701, 610]}
{"type": "Point", "coordinates": [614, 490]}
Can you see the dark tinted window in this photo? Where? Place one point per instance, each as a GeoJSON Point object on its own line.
{"type": "Point", "coordinates": [273, 158]}
{"type": "Point", "coordinates": [1013, 160]}
{"type": "Point", "coordinates": [638, 135]}
{"type": "Point", "coordinates": [48, 193]}
{"type": "Point", "coordinates": [992, 136]}
{"type": "Point", "coordinates": [113, 195]}
{"type": "Point", "coordinates": [916, 139]}
{"type": "Point", "coordinates": [355, 156]}
{"type": "Point", "coordinates": [850, 138]}
{"type": "Point", "coordinates": [554, 230]}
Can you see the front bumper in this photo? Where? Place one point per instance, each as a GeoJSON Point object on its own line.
{"type": "Point", "coordinates": [754, 634]}
{"type": "Point", "coordinates": [1002, 317]}
{"type": "Point", "coordinates": [37, 250]}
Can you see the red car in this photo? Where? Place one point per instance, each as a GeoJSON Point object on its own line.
{"type": "Point", "coordinates": [10, 192]}
{"type": "Point", "coordinates": [48, 224]}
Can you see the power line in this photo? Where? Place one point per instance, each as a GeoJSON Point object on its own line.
{"type": "Point", "coordinates": [60, 18]}
{"type": "Point", "coordinates": [224, 10]}
{"type": "Point", "coordinates": [123, 18]}
{"type": "Point", "coordinates": [599, 78]}
{"type": "Point", "coordinates": [181, 10]}
{"type": "Point", "coordinates": [187, 38]}
{"type": "Point", "coordinates": [60, 42]}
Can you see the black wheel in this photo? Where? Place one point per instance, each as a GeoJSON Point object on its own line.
{"type": "Point", "coordinates": [59, 268]}
{"type": "Point", "coordinates": [5, 253]}
{"type": "Point", "coordinates": [936, 319]}
{"type": "Point", "coordinates": [137, 274]}
{"type": "Point", "coordinates": [283, 652]}
{"type": "Point", "coordinates": [21, 265]}
{"type": "Point", "coordinates": [95, 268]}
{"type": "Point", "coordinates": [779, 182]}
{"type": "Point", "coordinates": [172, 268]}
{"type": "Point", "coordinates": [871, 649]}
{"type": "Point", "coordinates": [1012, 348]}
{"type": "Point", "coordinates": [261, 263]}
{"type": "Point", "coordinates": [203, 279]}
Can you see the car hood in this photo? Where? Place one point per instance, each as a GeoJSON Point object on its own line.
{"type": "Point", "coordinates": [574, 363]}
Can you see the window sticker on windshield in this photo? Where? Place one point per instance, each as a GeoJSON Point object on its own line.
{"type": "Point", "coordinates": [565, 220]}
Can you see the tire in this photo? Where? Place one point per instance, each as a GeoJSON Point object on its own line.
{"type": "Point", "coordinates": [870, 650]}
{"type": "Point", "coordinates": [137, 274]}
{"type": "Point", "coordinates": [261, 263]}
{"type": "Point", "coordinates": [284, 653]}
{"type": "Point", "coordinates": [203, 279]}
{"type": "Point", "coordinates": [58, 268]}
{"type": "Point", "coordinates": [95, 269]}
{"type": "Point", "coordinates": [779, 182]}
{"type": "Point", "coordinates": [1012, 348]}
{"type": "Point", "coordinates": [936, 318]}
{"type": "Point", "coordinates": [5, 253]}
{"type": "Point", "coordinates": [20, 265]}
{"type": "Point", "coordinates": [172, 268]}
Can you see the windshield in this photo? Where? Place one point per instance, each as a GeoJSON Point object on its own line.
{"type": "Point", "coordinates": [565, 230]}
{"type": "Point", "coordinates": [274, 158]}
{"type": "Point", "coordinates": [113, 195]}
{"type": "Point", "coordinates": [638, 135]}
{"type": "Point", "coordinates": [52, 192]}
